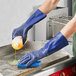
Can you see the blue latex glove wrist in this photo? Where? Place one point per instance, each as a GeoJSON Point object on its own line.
{"type": "Point", "coordinates": [22, 30]}
{"type": "Point", "coordinates": [55, 44]}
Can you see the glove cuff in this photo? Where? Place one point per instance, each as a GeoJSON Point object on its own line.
{"type": "Point", "coordinates": [35, 18]}
{"type": "Point", "coordinates": [62, 38]}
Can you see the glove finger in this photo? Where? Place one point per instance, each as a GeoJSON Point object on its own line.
{"type": "Point", "coordinates": [25, 56]}
{"type": "Point", "coordinates": [24, 59]}
{"type": "Point", "coordinates": [13, 34]}
{"type": "Point", "coordinates": [24, 36]}
{"type": "Point", "coordinates": [29, 62]}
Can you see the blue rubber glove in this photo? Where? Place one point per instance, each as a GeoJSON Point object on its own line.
{"type": "Point", "coordinates": [22, 30]}
{"type": "Point", "coordinates": [55, 44]}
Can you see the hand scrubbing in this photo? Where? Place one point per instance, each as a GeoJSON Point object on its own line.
{"type": "Point", "coordinates": [52, 46]}
{"type": "Point", "coordinates": [24, 28]}
{"type": "Point", "coordinates": [35, 64]}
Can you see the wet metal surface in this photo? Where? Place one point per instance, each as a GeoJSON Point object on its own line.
{"type": "Point", "coordinates": [7, 54]}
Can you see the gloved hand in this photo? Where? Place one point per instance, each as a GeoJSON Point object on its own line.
{"type": "Point", "coordinates": [55, 44]}
{"type": "Point", "coordinates": [22, 30]}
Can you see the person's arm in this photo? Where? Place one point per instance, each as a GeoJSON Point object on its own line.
{"type": "Point", "coordinates": [48, 6]}
{"type": "Point", "coordinates": [70, 28]}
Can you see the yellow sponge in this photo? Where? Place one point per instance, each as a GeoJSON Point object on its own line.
{"type": "Point", "coordinates": [17, 43]}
